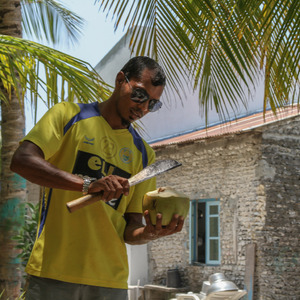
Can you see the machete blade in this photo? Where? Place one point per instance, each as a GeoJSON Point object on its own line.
{"type": "Point", "coordinates": [154, 169]}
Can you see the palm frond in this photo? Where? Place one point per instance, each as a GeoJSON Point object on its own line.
{"type": "Point", "coordinates": [51, 21]}
{"type": "Point", "coordinates": [280, 53]}
{"type": "Point", "coordinates": [23, 61]}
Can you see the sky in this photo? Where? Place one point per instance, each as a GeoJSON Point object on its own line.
{"type": "Point", "coordinates": [98, 37]}
{"type": "Point", "coordinates": [98, 33]}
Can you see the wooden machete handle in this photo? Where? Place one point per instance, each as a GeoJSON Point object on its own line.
{"type": "Point", "coordinates": [83, 201]}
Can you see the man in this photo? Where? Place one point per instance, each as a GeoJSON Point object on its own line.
{"type": "Point", "coordinates": [78, 149]}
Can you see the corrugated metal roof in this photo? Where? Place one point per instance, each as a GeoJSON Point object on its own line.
{"type": "Point", "coordinates": [239, 125]}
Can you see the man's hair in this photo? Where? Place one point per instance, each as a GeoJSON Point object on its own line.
{"type": "Point", "coordinates": [136, 65]}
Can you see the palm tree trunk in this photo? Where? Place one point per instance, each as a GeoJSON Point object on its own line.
{"type": "Point", "coordinates": [13, 187]}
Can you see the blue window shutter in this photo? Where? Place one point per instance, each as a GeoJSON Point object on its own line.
{"type": "Point", "coordinates": [193, 231]}
{"type": "Point", "coordinates": [213, 233]}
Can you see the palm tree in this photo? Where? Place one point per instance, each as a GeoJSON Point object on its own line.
{"type": "Point", "coordinates": [224, 47]}
{"type": "Point", "coordinates": [10, 214]}
{"type": "Point", "coordinates": [20, 64]}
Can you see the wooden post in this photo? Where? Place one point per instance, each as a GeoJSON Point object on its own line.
{"type": "Point", "coordinates": [250, 269]}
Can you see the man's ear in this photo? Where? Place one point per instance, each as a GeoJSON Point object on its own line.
{"type": "Point", "coordinates": [120, 78]}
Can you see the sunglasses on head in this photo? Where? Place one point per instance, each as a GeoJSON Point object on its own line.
{"type": "Point", "coordinates": [139, 95]}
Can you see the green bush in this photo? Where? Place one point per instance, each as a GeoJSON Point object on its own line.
{"type": "Point", "coordinates": [27, 235]}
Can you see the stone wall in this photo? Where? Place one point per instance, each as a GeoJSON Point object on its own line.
{"type": "Point", "coordinates": [278, 257]}
{"type": "Point", "coordinates": [245, 171]}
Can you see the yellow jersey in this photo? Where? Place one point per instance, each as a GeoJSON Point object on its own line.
{"type": "Point", "coordinates": [87, 246]}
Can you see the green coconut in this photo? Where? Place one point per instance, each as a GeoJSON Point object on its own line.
{"type": "Point", "coordinates": [166, 201]}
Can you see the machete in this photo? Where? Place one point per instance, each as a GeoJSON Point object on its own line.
{"type": "Point", "coordinates": [150, 171]}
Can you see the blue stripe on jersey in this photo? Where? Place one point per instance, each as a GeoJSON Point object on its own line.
{"type": "Point", "coordinates": [44, 211]}
{"type": "Point", "coordinates": [139, 144]}
{"type": "Point", "coordinates": [92, 110]}
{"type": "Point", "coordinates": [86, 111]}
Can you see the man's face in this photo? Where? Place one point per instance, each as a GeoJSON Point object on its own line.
{"type": "Point", "coordinates": [128, 109]}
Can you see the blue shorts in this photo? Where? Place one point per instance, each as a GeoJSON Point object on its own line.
{"type": "Point", "coordinates": [49, 289]}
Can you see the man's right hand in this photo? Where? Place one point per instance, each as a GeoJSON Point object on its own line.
{"type": "Point", "coordinates": [112, 186]}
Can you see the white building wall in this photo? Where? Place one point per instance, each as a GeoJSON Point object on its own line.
{"type": "Point", "coordinates": [138, 264]}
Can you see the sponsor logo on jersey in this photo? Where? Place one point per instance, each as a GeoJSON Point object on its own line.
{"type": "Point", "coordinates": [96, 167]}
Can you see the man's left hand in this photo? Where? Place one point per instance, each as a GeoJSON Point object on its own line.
{"type": "Point", "coordinates": [158, 230]}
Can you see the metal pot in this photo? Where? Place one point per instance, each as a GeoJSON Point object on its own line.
{"type": "Point", "coordinates": [218, 283]}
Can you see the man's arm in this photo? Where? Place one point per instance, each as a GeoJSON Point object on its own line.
{"type": "Point", "coordinates": [136, 233]}
{"type": "Point", "coordinates": [28, 161]}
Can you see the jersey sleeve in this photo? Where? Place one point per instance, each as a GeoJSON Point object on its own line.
{"type": "Point", "coordinates": [47, 134]}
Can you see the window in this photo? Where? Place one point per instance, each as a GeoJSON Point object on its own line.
{"type": "Point", "coordinates": [205, 232]}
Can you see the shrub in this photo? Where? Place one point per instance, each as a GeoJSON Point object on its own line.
{"type": "Point", "coordinates": [27, 235]}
